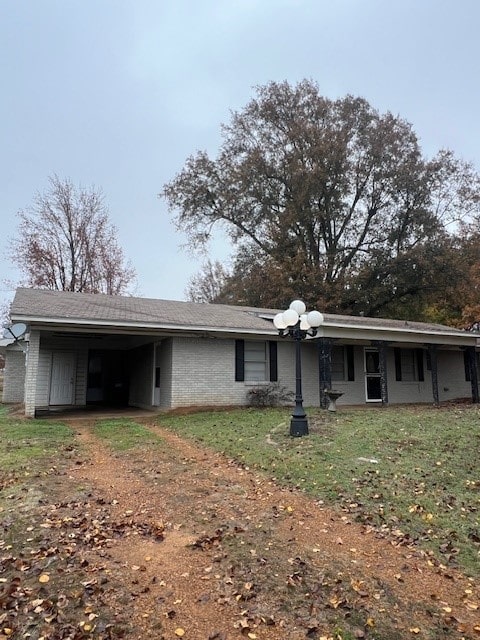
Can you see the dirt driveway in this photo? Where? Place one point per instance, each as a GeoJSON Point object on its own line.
{"type": "Point", "coordinates": [189, 544]}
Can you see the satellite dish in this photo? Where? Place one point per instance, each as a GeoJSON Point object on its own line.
{"type": "Point", "coordinates": [17, 330]}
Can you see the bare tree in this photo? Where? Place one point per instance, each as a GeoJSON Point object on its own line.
{"type": "Point", "coordinates": [210, 284]}
{"type": "Point", "coordinates": [66, 242]}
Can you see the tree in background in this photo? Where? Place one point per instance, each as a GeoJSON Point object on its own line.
{"type": "Point", "coordinates": [210, 284]}
{"type": "Point", "coordinates": [65, 241]}
{"type": "Point", "coordinates": [327, 200]}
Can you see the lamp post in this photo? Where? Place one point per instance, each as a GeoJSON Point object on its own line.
{"type": "Point", "coordinates": [298, 324]}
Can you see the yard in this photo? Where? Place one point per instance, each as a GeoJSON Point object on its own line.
{"type": "Point", "coordinates": [217, 525]}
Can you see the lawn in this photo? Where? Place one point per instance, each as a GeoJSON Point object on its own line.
{"type": "Point", "coordinates": [125, 435]}
{"type": "Point", "coordinates": [74, 505]}
{"type": "Point", "coordinates": [23, 442]}
{"type": "Point", "coordinates": [412, 472]}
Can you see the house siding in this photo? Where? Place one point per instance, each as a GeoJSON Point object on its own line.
{"type": "Point", "coordinates": [451, 376]}
{"type": "Point", "coordinates": [310, 371]}
{"type": "Point", "coordinates": [14, 377]}
{"type": "Point", "coordinates": [43, 378]}
{"type": "Point", "coordinates": [451, 381]}
{"type": "Point", "coordinates": [354, 390]}
{"type": "Point", "coordinates": [141, 376]}
{"type": "Point", "coordinates": [47, 348]}
{"type": "Point", "coordinates": [163, 359]}
{"type": "Point", "coordinates": [192, 358]}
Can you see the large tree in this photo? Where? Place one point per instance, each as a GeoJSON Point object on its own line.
{"type": "Point", "coordinates": [65, 241]}
{"type": "Point", "coordinates": [325, 199]}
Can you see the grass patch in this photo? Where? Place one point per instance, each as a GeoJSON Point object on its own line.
{"type": "Point", "coordinates": [23, 442]}
{"type": "Point", "coordinates": [412, 472]}
{"type": "Point", "coordinates": [124, 435]}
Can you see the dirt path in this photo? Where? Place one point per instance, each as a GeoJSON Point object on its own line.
{"type": "Point", "coordinates": [237, 556]}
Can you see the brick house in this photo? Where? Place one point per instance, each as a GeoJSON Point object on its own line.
{"type": "Point", "coordinates": [92, 349]}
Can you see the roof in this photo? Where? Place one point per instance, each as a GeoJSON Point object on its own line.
{"type": "Point", "coordinates": [41, 306]}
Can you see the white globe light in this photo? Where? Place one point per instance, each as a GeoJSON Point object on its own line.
{"type": "Point", "coordinates": [298, 306]}
{"type": "Point", "coordinates": [304, 324]}
{"type": "Point", "coordinates": [290, 317]}
{"type": "Point", "coordinates": [279, 322]}
{"type": "Point", "coordinates": [315, 318]}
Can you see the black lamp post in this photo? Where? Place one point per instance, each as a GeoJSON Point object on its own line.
{"type": "Point", "coordinates": [297, 324]}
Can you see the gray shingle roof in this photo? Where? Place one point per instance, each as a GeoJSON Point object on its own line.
{"type": "Point", "coordinates": [32, 305]}
{"type": "Point", "coordinates": [35, 304]}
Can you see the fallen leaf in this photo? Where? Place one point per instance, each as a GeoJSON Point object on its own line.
{"type": "Point", "coordinates": [44, 578]}
{"type": "Point", "coordinates": [179, 632]}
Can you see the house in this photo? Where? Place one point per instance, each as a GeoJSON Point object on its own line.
{"type": "Point", "coordinates": [97, 350]}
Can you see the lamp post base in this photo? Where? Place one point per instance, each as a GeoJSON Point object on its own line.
{"type": "Point", "coordinates": [298, 426]}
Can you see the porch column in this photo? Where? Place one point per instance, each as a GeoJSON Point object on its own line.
{"type": "Point", "coordinates": [432, 352]}
{"type": "Point", "coordinates": [381, 345]}
{"type": "Point", "coordinates": [324, 368]}
{"type": "Point", "coordinates": [472, 365]}
{"type": "Point", "coordinates": [31, 373]}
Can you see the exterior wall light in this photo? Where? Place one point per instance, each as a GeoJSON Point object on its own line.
{"type": "Point", "coordinates": [297, 324]}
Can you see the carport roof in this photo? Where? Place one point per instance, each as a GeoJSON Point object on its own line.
{"type": "Point", "coordinates": [41, 306]}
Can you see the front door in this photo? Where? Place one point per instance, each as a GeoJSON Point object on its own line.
{"type": "Point", "coordinates": [373, 389]}
{"type": "Point", "coordinates": [61, 381]}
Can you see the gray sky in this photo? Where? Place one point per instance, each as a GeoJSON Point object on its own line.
{"type": "Point", "coordinates": [117, 94]}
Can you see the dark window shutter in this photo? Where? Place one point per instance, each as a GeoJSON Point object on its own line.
{"type": "Point", "coordinates": [273, 361]}
{"type": "Point", "coordinates": [398, 364]}
{"type": "Point", "coordinates": [466, 365]}
{"type": "Point", "coordinates": [239, 360]}
{"type": "Point", "coordinates": [350, 363]}
{"type": "Point", "coordinates": [421, 375]}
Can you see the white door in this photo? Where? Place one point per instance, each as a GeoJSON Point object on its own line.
{"type": "Point", "coordinates": [61, 381]}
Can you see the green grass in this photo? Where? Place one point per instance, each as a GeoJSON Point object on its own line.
{"type": "Point", "coordinates": [419, 479]}
{"type": "Point", "coordinates": [124, 435]}
{"type": "Point", "coordinates": [23, 442]}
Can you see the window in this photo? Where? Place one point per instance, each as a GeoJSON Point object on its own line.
{"type": "Point", "coordinates": [409, 365]}
{"type": "Point", "coordinates": [343, 364]}
{"type": "Point", "coordinates": [255, 361]}
{"type": "Point", "coordinates": [338, 363]}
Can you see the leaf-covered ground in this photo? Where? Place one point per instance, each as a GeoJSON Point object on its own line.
{"type": "Point", "coordinates": [162, 538]}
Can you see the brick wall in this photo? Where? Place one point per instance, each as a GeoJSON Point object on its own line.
{"type": "Point", "coordinates": [14, 381]}
{"type": "Point", "coordinates": [31, 373]}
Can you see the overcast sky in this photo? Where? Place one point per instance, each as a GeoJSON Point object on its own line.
{"type": "Point", "coordinates": [117, 94]}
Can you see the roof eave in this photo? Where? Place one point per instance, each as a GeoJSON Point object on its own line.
{"type": "Point", "coordinates": [69, 323]}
